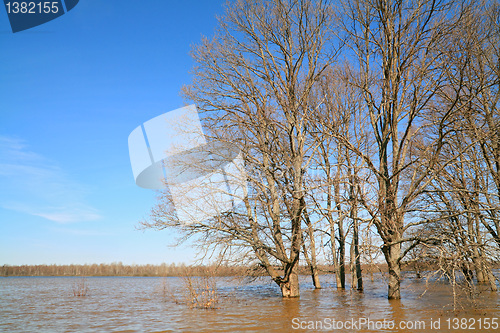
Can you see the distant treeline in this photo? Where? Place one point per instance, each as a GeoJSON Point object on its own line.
{"type": "Point", "coordinates": [119, 269]}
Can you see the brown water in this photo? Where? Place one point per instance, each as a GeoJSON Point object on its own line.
{"type": "Point", "coordinates": [127, 304]}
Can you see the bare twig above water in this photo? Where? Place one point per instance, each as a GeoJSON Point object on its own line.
{"type": "Point", "coordinates": [80, 287]}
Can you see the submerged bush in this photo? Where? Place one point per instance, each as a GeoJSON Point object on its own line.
{"type": "Point", "coordinates": [80, 287]}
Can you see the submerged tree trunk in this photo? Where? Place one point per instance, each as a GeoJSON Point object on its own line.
{"type": "Point", "coordinates": [491, 279]}
{"type": "Point", "coordinates": [352, 267]}
{"type": "Point", "coordinates": [335, 261]}
{"type": "Point", "coordinates": [289, 282]}
{"type": "Point", "coordinates": [483, 271]}
{"type": "Point", "coordinates": [290, 286]}
{"type": "Point", "coordinates": [392, 255]}
{"type": "Point", "coordinates": [340, 224]}
{"type": "Point", "coordinates": [311, 262]}
{"type": "Point", "coordinates": [341, 266]}
{"type": "Point", "coordinates": [338, 260]}
{"type": "Point", "coordinates": [313, 268]}
{"type": "Point", "coordinates": [356, 278]}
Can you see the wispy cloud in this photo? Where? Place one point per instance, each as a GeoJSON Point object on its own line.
{"type": "Point", "coordinates": [35, 185]}
{"type": "Point", "coordinates": [66, 216]}
{"type": "Point", "coordinates": [82, 232]}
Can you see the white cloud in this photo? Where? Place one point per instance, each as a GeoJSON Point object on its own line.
{"type": "Point", "coordinates": [35, 185]}
{"type": "Point", "coordinates": [68, 216]}
{"type": "Point", "coordinates": [82, 232]}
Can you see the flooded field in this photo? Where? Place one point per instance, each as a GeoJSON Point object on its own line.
{"type": "Point", "coordinates": [128, 304]}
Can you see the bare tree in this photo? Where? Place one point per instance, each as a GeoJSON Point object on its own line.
{"type": "Point", "coordinates": [397, 46]}
{"type": "Point", "coordinates": [339, 152]}
{"type": "Point", "coordinates": [482, 116]}
{"type": "Point", "coordinates": [337, 169]}
{"type": "Point", "coordinates": [464, 200]}
{"type": "Point", "coordinates": [252, 81]}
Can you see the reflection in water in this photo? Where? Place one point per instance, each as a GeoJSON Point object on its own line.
{"type": "Point", "coordinates": [136, 305]}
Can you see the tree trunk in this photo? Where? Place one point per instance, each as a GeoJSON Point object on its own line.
{"type": "Point", "coordinates": [290, 287]}
{"type": "Point", "coordinates": [392, 254]}
{"type": "Point", "coordinates": [486, 273]}
{"type": "Point", "coordinates": [474, 240]}
{"type": "Point", "coordinates": [315, 278]}
{"type": "Point", "coordinates": [478, 268]}
{"type": "Point", "coordinates": [338, 262]}
{"type": "Point", "coordinates": [341, 271]}
{"type": "Point", "coordinates": [312, 262]}
{"type": "Point", "coordinates": [340, 222]}
{"type": "Point", "coordinates": [356, 279]}
{"type": "Point", "coordinates": [335, 261]}
{"type": "Point", "coordinates": [492, 280]}
{"type": "Point", "coordinates": [352, 266]}
{"type": "Point", "coordinates": [289, 283]}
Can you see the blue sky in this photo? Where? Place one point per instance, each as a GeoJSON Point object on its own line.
{"type": "Point", "coordinates": [71, 91]}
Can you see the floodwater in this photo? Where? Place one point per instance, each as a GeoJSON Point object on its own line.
{"type": "Point", "coordinates": [137, 304]}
